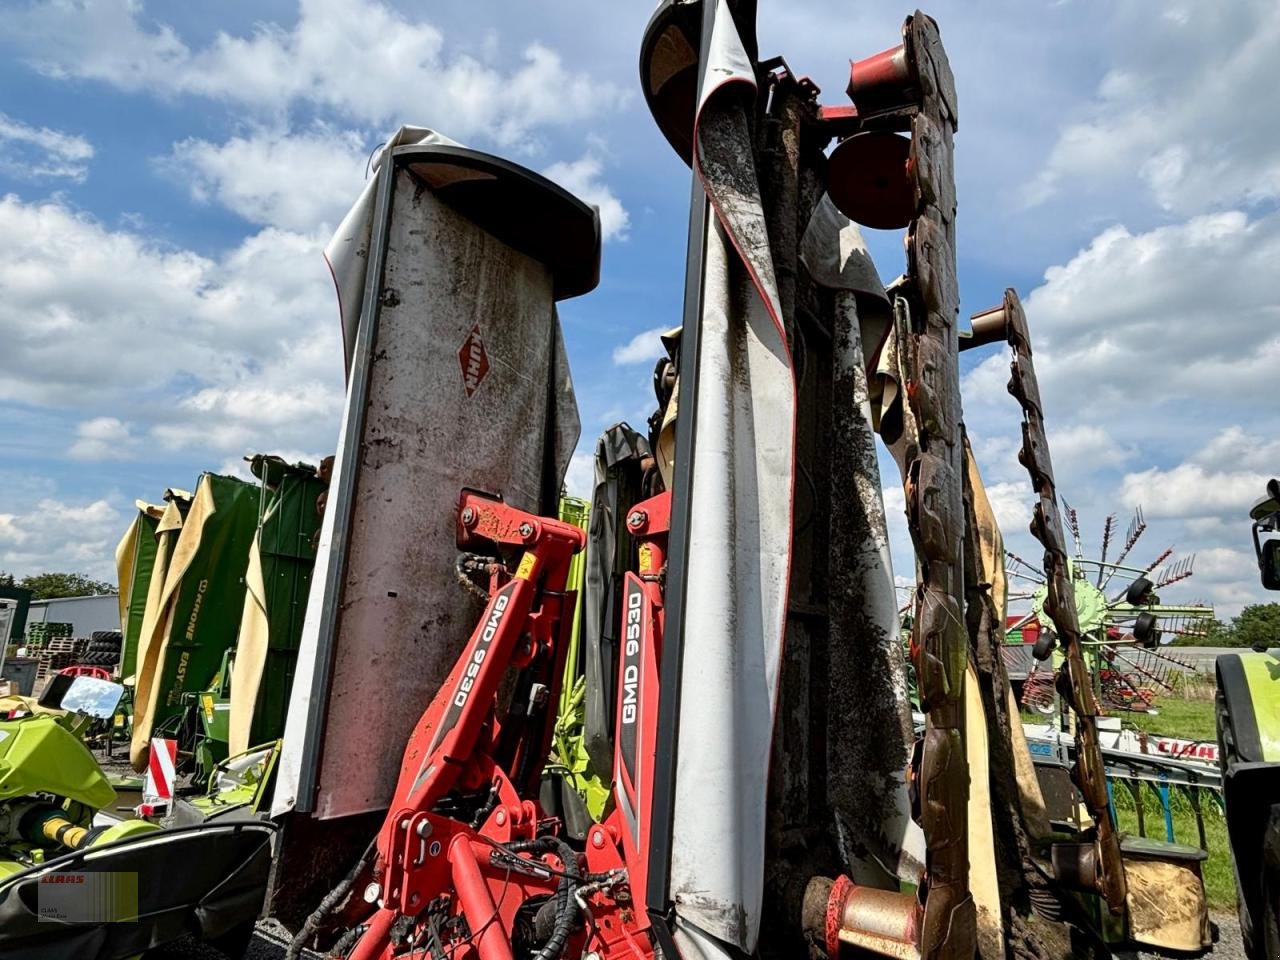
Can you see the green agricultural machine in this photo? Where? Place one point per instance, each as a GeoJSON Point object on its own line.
{"type": "Point", "coordinates": [223, 579]}
{"type": "Point", "coordinates": [1248, 713]}
{"type": "Point", "coordinates": [1125, 624]}
{"type": "Point", "coordinates": [77, 878]}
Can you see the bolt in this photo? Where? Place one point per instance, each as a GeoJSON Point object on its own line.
{"type": "Point", "coordinates": [597, 838]}
{"type": "Point", "coordinates": [423, 829]}
{"type": "Point", "coordinates": [372, 892]}
{"type": "Point", "coordinates": [413, 899]}
{"type": "Point", "coordinates": [468, 516]}
{"type": "Point", "coordinates": [404, 824]}
{"type": "Point", "coordinates": [501, 818]}
{"type": "Point", "coordinates": [637, 519]}
{"type": "Point", "coordinates": [526, 530]}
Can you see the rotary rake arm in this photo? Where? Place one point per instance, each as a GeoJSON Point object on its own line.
{"type": "Point", "coordinates": [1097, 865]}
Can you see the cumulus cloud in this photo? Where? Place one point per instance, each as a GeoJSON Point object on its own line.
{"type": "Point", "coordinates": [33, 153]}
{"type": "Point", "coordinates": [1180, 108]}
{"type": "Point", "coordinates": [582, 178]}
{"type": "Point", "coordinates": [580, 478]}
{"type": "Point", "coordinates": [259, 175]}
{"type": "Point", "coordinates": [1146, 330]}
{"type": "Point", "coordinates": [56, 534]}
{"type": "Point", "coordinates": [360, 59]}
{"type": "Point", "coordinates": [1089, 442]}
{"type": "Point", "coordinates": [1223, 479]}
{"type": "Point", "coordinates": [218, 354]}
{"type": "Point", "coordinates": [1151, 347]}
{"type": "Point", "coordinates": [103, 438]}
{"type": "Point", "coordinates": [1190, 489]}
{"type": "Point", "coordinates": [644, 347]}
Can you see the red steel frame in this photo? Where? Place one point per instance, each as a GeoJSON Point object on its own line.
{"type": "Point", "coordinates": [430, 863]}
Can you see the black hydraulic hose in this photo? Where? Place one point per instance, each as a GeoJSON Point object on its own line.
{"type": "Point", "coordinates": [346, 942]}
{"type": "Point", "coordinates": [566, 903]}
{"type": "Point", "coordinates": [335, 896]}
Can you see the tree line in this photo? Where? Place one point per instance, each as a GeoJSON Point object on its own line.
{"type": "Point", "coordinates": [1256, 625]}
{"type": "Point", "coordinates": [51, 586]}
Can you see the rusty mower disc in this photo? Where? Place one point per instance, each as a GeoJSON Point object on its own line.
{"type": "Point", "coordinates": [868, 181]}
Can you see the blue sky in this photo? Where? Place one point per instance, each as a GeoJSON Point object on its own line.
{"type": "Point", "coordinates": [170, 172]}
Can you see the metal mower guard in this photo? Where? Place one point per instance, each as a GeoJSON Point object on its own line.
{"type": "Point", "coordinates": [554, 227]}
{"type": "Point", "coordinates": [207, 880]}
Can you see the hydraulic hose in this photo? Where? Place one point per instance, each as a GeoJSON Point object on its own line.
{"type": "Point", "coordinates": [566, 904]}
{"type": "Point", "coordinates": [328, 904]}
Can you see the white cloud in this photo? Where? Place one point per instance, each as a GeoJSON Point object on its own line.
{"type": "Point", "coordinates": [1192, 490]}
{"type": "Point", "coordinates": [261, 176]}
{"type": "Point", "coordinates": [1011, 503]}
{"type": "Point", "coordinates": [1151, 348]}
{"type": "Point", "coordinates": [1090, 443]}
{"type": "Point", "coordinates": [582, 178]}
{"type": "Point", "coordinates": [1223, 564]}
{"type": "Point", "coordinates": [1182, 111]}
{"type": "Point", "coordinates": [580, 477]}
{"type": "Point", "coordinates": [1242, 449]}
{"type": "Point", "coordinates": [38, 152]}
{"type": "Point", "coordinates": [103, 438]}
{"type": "Point", "coordinates": [54, 534]}
{"type": "Point", "coordinates": [362, 59]}
{"type": "Point", "coordinates": [220, 355]}
{"type": "Point", "coordinates": [1185, 311]}
{"type": "Point", "coordinates": [11, 531]}
{"type": "Point", "coordinates": [644, 347]}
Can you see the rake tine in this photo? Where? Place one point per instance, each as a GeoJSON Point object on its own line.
{"type": "Point", "coordinates": [1137, 526]}
{"type": "Point", "coordinates": [1023, 563]}
{"type": "Point", "coordinates": [1158, 560]}
{"type": "Point", "coordinates": [1073, 524]}
{"type": "Point", "coordinates": [1106, 543]}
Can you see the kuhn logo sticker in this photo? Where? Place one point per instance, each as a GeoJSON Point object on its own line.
{"type": "Point", "coordinates": [474, 360]}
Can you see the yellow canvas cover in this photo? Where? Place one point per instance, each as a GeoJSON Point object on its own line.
{"type": "Point", "coordinates": [251, 653]}
{"type": "Point", "coordinates": [213, 545]}
{"type": "Point", "coordinates": [177, 503]}
{"type": "Point", "coordinates": [991, 570]}
{"type": "Point", "coordinates": [135, 563]}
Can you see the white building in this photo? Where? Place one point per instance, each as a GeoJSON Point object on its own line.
{"type": "Point", "coordinates": [85, 614]}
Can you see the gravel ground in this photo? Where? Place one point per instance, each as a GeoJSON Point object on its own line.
{"type": "Point", "coordinates": [270, 941]}
{"type": "Point", "coordinates": [1228, 947]}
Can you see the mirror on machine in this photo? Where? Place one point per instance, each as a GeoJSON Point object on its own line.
{"type": "Point", "coordinates": [88, 695]}
{"type": "Point", "coordinates": [1266, 519]}
{"type": "Point", "coordinates": [1269, 564]}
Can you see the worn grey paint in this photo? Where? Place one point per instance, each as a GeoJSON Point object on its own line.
{"type": "Point", "coordinates": [402, 617]}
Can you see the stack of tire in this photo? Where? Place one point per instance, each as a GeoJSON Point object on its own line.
{"type": "Point", "coordinates": [103, 650]}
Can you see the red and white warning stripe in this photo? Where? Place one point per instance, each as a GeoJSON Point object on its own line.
{"type": "Point", "coordinates": [158, 787]}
